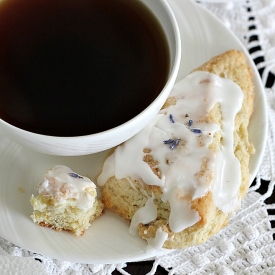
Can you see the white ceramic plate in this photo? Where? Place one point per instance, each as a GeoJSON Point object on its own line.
{"type": "Point", "coordinates": [108, 240]}
{"type": "Point", "coordinates": [218, 1]}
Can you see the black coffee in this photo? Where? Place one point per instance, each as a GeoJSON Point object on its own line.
{"type": "Point", "coordinates": [77, 67]}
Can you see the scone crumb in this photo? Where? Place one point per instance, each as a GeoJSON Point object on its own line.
{"type": "Point", "coordinates": [66, 201]}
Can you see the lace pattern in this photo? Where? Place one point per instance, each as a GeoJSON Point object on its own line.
{"type": "Point", "coordinates": [246, 246]}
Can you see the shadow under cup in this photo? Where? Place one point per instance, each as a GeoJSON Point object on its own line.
{"type": "Point", "coordinates": [81, 78]}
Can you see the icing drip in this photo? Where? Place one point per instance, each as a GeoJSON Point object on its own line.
{"type": "Point", "coordinates": [144, 215]}
{"type": "Point", "coordinates": [157, 242]}
{"type": "Point", "coordinates": [189, 168]}
{"type": "Point", "coordinates": [179, 204]}
{"type": "Point", "coordinates": [62, 183]}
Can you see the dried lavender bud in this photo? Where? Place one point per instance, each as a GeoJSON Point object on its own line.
{"type": "Point", "coordinates": [168, 141]}
{"type": "Point", "coordinates": [175, 143]}
{"type": "Point", "coordinates": [171, 118]}
{"type": "Point", "coordinates": [75, 175]}
{"type": "Point", "coordinates": [197, 131]}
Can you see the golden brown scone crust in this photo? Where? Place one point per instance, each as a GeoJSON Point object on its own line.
{"type": "Point", "coordinates": [125, 199]}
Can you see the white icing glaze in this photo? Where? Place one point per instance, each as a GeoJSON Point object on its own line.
{"type": "Point", "coordinates": [144, 215]}
{"type": "Point", "coordinates": [181, 181]}
{"type": "Point", "coordinates": [157, 242]}
{"type": "Point", "coordinates": [62, 183]}
{"type": "Point", "coordinates": [179, 222]}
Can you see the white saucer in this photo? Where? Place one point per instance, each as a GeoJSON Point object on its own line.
{"type": "Point", "coordinates": [108, 240]}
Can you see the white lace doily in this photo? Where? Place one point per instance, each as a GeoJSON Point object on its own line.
{"type": "Point", "coordinates": [246, 246]}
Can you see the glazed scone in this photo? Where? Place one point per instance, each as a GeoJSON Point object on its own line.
{"type": "Point", "coordinates": [180, 178]}
{"type": "Point", "coordinates": [66, 201]}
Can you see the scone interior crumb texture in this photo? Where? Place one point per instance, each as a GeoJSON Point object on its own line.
{"type": "Point", "coordinates": [66, 201]}
{"type": "Point", "coordinates": [205, 202]}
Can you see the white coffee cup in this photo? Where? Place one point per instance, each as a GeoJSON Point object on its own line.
{"type": "Point", "coordinates": [88, 144]}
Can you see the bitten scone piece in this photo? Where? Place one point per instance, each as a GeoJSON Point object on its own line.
{"type": "Point", "coordinates": [66, 201]}
{"type": "Point", "coordinates": [180, 178]}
